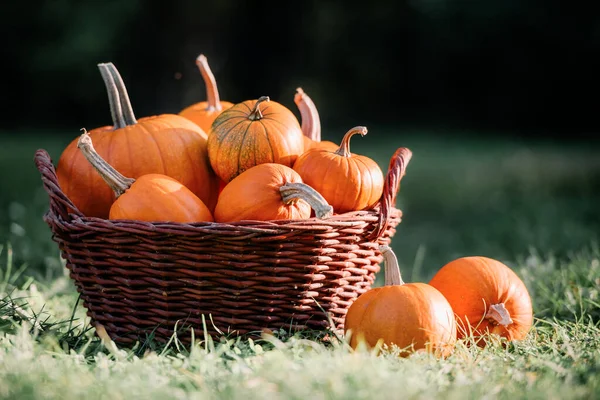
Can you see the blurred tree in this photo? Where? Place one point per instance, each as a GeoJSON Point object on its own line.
{"type": "Point", "coordinates": [502, 64]}
{"type": "Point", "coordinates": [52, 58]}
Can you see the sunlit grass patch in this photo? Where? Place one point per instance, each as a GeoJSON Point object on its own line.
{"type": "Point", "coordinates": [47, 350]}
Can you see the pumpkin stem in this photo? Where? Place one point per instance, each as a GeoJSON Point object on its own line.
{"type": "Point", "coordinates": [212, 92]}
{"type": "Point", "coordinates": [291, 192]}
{"type": "Point", "coordinates": [117, 182]}
{"type": "Point", "coordinates": [344, 149]}
{"type": "Point", "coordinates": [392, 270]}
{"type": "Point", "coordinates": [499, 314]}
{"type": "Point", "coordinates": [114, 100]}
{"type": "Point", "coordinates": [128, 114]}
{"type": "Point", "coordinates": [311, 123]}
{"type": "Point", "coordinates": [256, 114]}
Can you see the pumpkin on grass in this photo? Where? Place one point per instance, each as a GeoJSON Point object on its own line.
{"type": "Point", "coordinates": [348, 182]}
{"type": "Point", "coordinates": [487, 297]}
{"type": "Point", "coordinates": [166, 144]}
{"type": "Point", "coordinates": [311, 123]}
{"type": "Point", "coordinates": [204, 113]}
{"type": "Point", "coordinates": [269, 192]}
{"type": "Point", "coordinates": [251, 133]}
{"type": "Point", "coordinates": [412, 316]}
{"type": "Point", "coordinates": [151, 197]}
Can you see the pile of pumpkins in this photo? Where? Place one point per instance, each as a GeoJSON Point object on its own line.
{"type": "Point", "coordinates": [224, 162]}
{"type": "Point", "coordinates": [215, 162]}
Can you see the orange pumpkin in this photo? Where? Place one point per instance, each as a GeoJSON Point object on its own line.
{"type": "Point", "coordinates": [269, 192]}
{"type": "Point", "coordinates": [151, 197]}
{"type": "Point", "coordinates": [204, 113]}
{"type": "Point", "coordinates": [166, 144]}
{"type": "Point", "coordinates": [487, 297]}
{"type": "Point", "coordinates": [311, 123]}
{"type": "Point", "coordinates": [412, 316]}
{"type": "Point", "coordinates": [251, 133]}
{"type": "Point", "coordinates": [222, 185]}
{"type": "Point", "coordinates": [349, 182]}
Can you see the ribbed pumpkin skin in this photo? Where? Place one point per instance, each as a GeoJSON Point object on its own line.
{"type": "Point", "coordinates": [237, 143]}
{"type": "Point", "coordinates": [310, 144]}
{"type": "Point", "coordinates": [347, 183]}
{"type": "Point", "coordinates": [165, 144]}
{"type": "Point", "coordinates": [202, 115]}
{"type": "Point", "coordinates": [473, 284]}
{"type": "Point", "coordinates": [255, 195]}
{"type": "Point", "coordinates": [155, 197]}
{"type": "Point", "coordinates": [410, 314]}
{"type": "Point", "coordinates": [307, 142]}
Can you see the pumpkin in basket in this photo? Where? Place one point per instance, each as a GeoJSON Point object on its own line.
{"type": "Point", "coordinates": [412, 316]}
{"type": "Point", "coordinates": [204, 113]}
{"type": "Point", "coordinates": [151, 197]}
{"type": "Point", "coordinates": [251, 133]}
{"type": "Point", "coordinates": [348, 182]}
{"type": "Point", "coordinates": [166, 144]}
{"type": "Point", "coordinates": [487, 297]}
{"type": "Point", "coordinates": [269, 192]}
{"type": "Point", "coordinates": [311, 123]}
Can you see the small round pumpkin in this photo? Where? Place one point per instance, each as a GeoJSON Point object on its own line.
{"type": "Point", "coordinates": [311, 123]}
{"type": "Point", "coordinates": [349, 182]}
{"type": "Point", "coordinates": [269, 192]}
{"type": "Point", "coordinates": [204, 113]}
{"type": "Point", "coordinates": [151, 197]}
{"type": "Point", "coordinates": [166, 144]}
{"type": "Point", "coordinates": [487, 297]}
{"type": "Point", "coordinates": [251, 133]}
{"type": "Point", "coordinates": [412, 316]}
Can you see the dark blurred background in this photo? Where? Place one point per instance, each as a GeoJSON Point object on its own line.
{"type": "Point", "coordinates": [519, 67]}
{"type": "Point", "coordinates": [498, 100]}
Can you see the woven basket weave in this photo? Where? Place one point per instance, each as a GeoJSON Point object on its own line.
{"type": "Point", "coordinates": [138, 278]}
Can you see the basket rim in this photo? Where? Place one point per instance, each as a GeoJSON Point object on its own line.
{"type": "Point", "coordinates": [242, 230]}
{"type": "Point", "coordinates": [345, 220]}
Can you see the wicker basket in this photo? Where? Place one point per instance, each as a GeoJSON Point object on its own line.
{"type": "Point", "coordinates": [137, 278]}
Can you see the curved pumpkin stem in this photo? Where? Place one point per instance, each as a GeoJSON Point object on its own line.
{"type": "Point", "coordinates": [392, 270]}
{"type": "Point", "coordinates": [212, 92]}
{"type": "Point", "coordinates": [114, 101]}
{"type": "Point", "coordinates": [344, 149]}
{"type": "Point", "coordinates": [117, 182]}
{"type": "Point", "coordinates": [311, 123]}
{"type": "Point", "coordinates": [291, 192]}
{"type": "Point", "coordinates": [256, 114]}
{"type": "Point", "coordinates": [499, 314]}
{"type": "Point", "coordinates": [128, 114]}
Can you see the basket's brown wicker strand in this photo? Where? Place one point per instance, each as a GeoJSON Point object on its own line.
{"type": "Point", "coordinates": [396, 171]}
{"type": "Point", "coordinates": [60, 204]}
{"type": "Point", "coordinates": [139, 278]}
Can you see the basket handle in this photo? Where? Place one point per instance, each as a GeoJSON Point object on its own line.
{"type": "Point", "coordinates": [60, 204]}
{"type": "Point", "coordinates": [396, 172]}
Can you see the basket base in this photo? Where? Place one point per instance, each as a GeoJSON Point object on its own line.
{"type": "Point", "coordinates": [135, 300]}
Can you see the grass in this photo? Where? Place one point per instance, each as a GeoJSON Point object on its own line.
{"type": "Point", "coordinates": [40, 357]}
{"type": "Point", "coordinates": [533, 205]}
